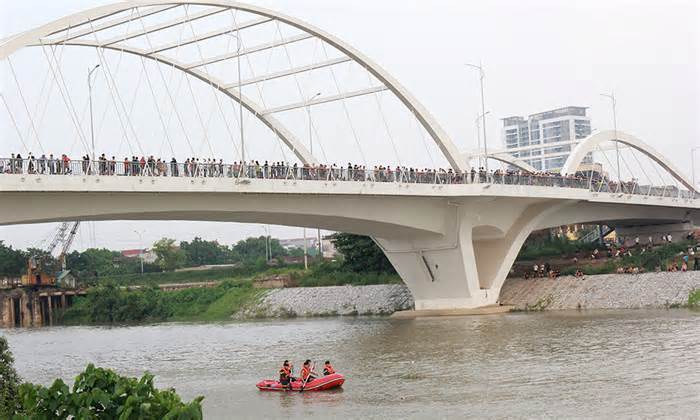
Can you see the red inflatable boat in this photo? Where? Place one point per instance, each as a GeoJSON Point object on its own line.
{"type": "Point", "coordinates": [319, 384]}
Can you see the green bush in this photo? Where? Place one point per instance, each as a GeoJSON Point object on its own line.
{"type": "Point", "coordinates": [694, 299]}
{"type": "Point", "coordinates": [102, 394]}
{"type": "Point", "coordinates": [9, 382]}
{"type": "Point", "coordinates": [555, 247]}
{"type": "Point", "coordinates": [114, 305]}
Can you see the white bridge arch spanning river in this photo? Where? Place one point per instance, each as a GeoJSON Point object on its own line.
{"type": "Point", "coordinates": [452, 238]}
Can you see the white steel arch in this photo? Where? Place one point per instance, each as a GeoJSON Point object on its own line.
{"type": "Point", "coordinates": [588, 145]}
{"type": "Point", "coordinates": [505, 158]}
{"type": "Point", "coordinates": [37, 37]}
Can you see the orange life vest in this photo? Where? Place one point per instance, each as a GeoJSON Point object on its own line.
{"type": "Point", "coordinates": [328, 370]}
{"type": "Point", "coordinates": [305, 372]}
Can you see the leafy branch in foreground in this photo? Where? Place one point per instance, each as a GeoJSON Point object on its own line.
{"type": "Point", "coordinates": [103, 394]}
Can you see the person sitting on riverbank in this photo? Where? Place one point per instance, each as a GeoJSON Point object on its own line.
{"type": "Point", "coordinates": [307, 372]}
{"type": "Point", "coordinates": [328, 368]}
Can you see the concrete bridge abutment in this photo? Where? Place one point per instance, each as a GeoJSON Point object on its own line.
{"type": "Point", "coordinates": [466, 267]}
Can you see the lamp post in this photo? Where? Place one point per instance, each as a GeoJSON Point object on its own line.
{"type": "Point", "coordinates": [311, 150]}
{"type": "Point", "coordinates": [692, 166]}
{"type": "Point", "coordinates": [611, 96]}
{"type": "Point", "coordinates": [268, 245]}
{"type": "Point", "coordinates": [483, 111]}
{"type": "Point", "coordinates": [140, 248]}
{"type": "Point", "coordinates": [92, 125]}
{"type": "Point", "coordinates": [478, 135]}
{"type": "Point", "coordinates": [240, 94]}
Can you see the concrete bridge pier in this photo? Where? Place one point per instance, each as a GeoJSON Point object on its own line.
{"type": "Point", "coordinates": [465, 268]}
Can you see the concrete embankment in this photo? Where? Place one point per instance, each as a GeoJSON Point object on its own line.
{"type": "Point", "coordinates": [605, 291]}
{"type": "Point", "coordinates": [329, 301]}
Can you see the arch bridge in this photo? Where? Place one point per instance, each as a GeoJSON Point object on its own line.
{"type": "Point", "coordinates": [452, 233]}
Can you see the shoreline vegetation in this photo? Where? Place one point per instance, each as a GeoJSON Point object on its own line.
{"type": "Point", "coordinates": [111, 302]}
{"type": "Point", "coordinates": [116, 294]}
{"type": "Point", "coordinates": [96, 393]}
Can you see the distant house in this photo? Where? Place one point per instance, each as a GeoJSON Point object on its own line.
{"type": "Point", "coordinates": [148, 255]}
{"type": "Point", "coordinates": [66, 280]}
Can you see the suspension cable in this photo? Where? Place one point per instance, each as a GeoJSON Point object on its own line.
{"type": "Point", "coordinates": [66, 98]}
{"type": "Point", "coordinates": [105, 63]}
{"type": "Point", "coordinates": [14, 123]}
{"type": "Point", "coordinates": [345, 107]}
{"type": "Point", "coordinates": [386, 123]}
{"type": "Point", "coordinates": [211, 85]}
{"type": "Point", "coordinates": [162, 77]}
{"type": "Point", "coordinates": [26, 107]}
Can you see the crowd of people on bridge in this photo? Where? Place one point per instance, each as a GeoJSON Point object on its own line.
{"type": "Point", "coordinates": [208, 167]}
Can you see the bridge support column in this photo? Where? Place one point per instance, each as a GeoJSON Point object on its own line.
{"type": "Point", "coordinates": [466, 268]}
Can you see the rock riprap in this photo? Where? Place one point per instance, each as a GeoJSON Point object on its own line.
{"type": "Point", "coordinates": [382, 299]}
{"type": "Point", "coordinates": [605, 291]}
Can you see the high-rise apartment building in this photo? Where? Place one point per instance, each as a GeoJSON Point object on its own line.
{"type": "Point", "coordinates": [546, 139]}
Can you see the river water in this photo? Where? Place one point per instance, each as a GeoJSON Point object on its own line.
{"type": "Point", "coordinates": [558, 364]}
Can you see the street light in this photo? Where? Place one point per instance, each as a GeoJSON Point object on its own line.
{"type": "Point", "coordinates": [268, 245]}
{"type": "Point", "coordinates": [478, 135]}
{"type": "Point", "coordinates": [611, 96]}
{"type": "Point", "coordinates": [140, 248]}
{"type": "Point", "coordinates": [92, 125]}
{"type": "Point", "coordinates": [483, 110]}
{"type": "Point", "coordinates": [692, 165]}
{"type": "Point", "coordinates": [240, 94]}
{"type": "Point", "coordinates": [311, 150]}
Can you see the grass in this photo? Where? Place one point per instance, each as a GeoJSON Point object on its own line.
{"type": "Point", "coordinates": [694, 299]}
{"type": "Point", "coordinates": [109, 302]}
{"type": "Point", "coordinates": [149, 279]}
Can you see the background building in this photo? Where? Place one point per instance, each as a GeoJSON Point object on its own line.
{"type": "Point", "coordinates": [546, 139]}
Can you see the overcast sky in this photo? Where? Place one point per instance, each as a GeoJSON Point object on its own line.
{"type": "Point", "coordinates": [538, 55]}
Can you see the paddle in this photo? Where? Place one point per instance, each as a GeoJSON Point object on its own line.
{"type": "Point", "coordinates": [305, 380]}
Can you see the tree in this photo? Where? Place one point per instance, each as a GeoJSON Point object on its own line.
{"type": "Point", "coordinates": [361, 254]}
{"type": "Point", "coordinates": [93, 262]}
{"type": "Point", "coordinates": [251, 250]}
{"type": "Point", "coordinates": [9, 382]}
{"type": "Point", "coordinates": [13, 262]}
{"type": "Point", "coordinates": [200, 252]}
{"type": "Point", "coordinates": [169, 256]}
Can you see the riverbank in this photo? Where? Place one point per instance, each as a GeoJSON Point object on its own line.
{"type": "Point", "coordinates": [382, 299]}
{"type": "Point", "coordinates": [239, 300]}
{"type": "Point", "coordinates": [604, 291]}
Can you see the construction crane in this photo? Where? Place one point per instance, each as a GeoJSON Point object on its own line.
{"type": "Point", "coordinates": [36, 266]}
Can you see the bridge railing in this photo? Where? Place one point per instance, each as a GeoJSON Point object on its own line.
{"type": "Point", "coordinates": [211, 169]}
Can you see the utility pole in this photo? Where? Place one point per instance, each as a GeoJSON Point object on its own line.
{"type": "Point", "coordinates": [478, 136]}
{"type": "Point", "coordinates": [92, 124]}
{"type": "Point", "coordinates": [692, 166]}
{"type": "Point", "coordinates": [306, 253]}
{"type": "Point", "coordinates": [483, 112]}
{"type": "Point", "coordinates": [240, 95]}
{"type": "Point", "coordinates": [141, 250]}
{"type": "Point", "coordinates": [611, 96]}
{"type": "Point", "coordinates": [311, 150]}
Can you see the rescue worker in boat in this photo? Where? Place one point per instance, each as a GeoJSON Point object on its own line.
{"type": "Point", "coordinates": [307, 373]}
{"type": "Point", "coordinates": [286, 374]}
{"type": "Point", "coordinates": [328, 368]}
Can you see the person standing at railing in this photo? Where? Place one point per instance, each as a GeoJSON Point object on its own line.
{"type": "Point", "coordinates": [42, 164]}
{"type": "Point", "coordinates": [17, 163]}
{"type": "Point", "coordinates": [173, 167]}
{"type": "Point", "coordinates": [52, 165]}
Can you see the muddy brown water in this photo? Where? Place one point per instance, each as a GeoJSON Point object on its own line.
{"type": "Point", "coordinates": [608, 364]}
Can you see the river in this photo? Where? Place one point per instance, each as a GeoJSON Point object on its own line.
{"type": "Point", "coordinates": [554, 364]}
